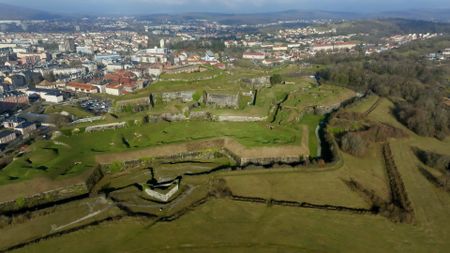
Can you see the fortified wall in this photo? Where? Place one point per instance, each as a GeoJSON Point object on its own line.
{"type": "Point", "coordinates": [221, 100]}
{"type": "Point", "coordinates": [227, 146]}
{"type": "Point", "coordinates": [258, 82]}
{"type": "Point", "coordinates": [183, 96]}
{"type": "Point", "coordinates": [96, 128]}
{"type": "Point", "coordinates": [41, 191]}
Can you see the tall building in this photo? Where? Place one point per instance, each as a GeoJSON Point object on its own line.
{"type": "Point", "coordinates": [69, 45]}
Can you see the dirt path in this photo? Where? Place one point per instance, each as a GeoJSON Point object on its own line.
{"type": "Point", "coordinates": [92, 214]}
{"type": "Point", "coordinates": [373, 107]}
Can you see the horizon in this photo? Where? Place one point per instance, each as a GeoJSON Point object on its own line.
{"type": "Point", "coordinates": [142, 7]}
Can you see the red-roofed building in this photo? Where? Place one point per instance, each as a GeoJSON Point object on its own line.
{"type": "Point", "coordinates": [334, 46]}
{"type": "Point", "coordinates": [121, 82]}
{"type": "Point", "coordinates": [81, 87]}
{"type": "Point", "coordinates": [121, 77]}
{"type": "Point", "coordinates": [254, 56]}
{"type": "Point", "coordinates": [114, 89]}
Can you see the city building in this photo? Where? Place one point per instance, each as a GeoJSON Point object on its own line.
{"type": "Point", "coordinates": [7, 136]}
{"type": "Point", "coordinates": [254, 56]}
{"type": "Point", "coordinates": [48, 95]}
{"type": "Point", "coordinates": [81, 87]}
{"type": "Point", "coordinates": [26, 128]}
{"type": "Point", "coordinates": [13, 99]}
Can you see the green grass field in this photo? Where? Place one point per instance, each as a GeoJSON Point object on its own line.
{"type": "Point", "coordinates": [209, 73]}
{"type": "Point", "coordinates": [75, 153]}
{"type": "Point", "coordinates": [223, 225]}
{"type": "Point", "coordinates": [312, 121]}
{"type": "Point", "coordinates": [73, 110]}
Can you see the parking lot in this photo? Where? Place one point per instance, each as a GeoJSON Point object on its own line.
{"type": "Point", "coordinates": [96, 106]}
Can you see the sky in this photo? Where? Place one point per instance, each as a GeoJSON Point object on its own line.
{"type": "Point", "coordinates": [126, 7]}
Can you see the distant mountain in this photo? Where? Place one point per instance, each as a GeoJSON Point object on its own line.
{"type": "Point", "coordinates": [11, 12]}
{"type": "Point", "coordinates": [389, 26]}
{"type": "Point", "coordinates": [442, 15]}
{"type": "Point", "coordinates": [252, 18]}
{"type": "Point", "coordinates": [258, 18]}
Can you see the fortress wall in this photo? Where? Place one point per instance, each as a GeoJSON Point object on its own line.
{"type": "Point", "coordinates": [233, 149]}
{"type": "Point", "coordinates": [222, 100]}
{"type": "Point", "coordinates": [184, 96]}
{"type": "Point", "coordinates": [39, 192]}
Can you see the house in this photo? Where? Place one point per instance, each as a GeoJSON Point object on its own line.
{"type": "Point", "coordinates": [13, 122]}
{"type": "Point", "coordinates": [13, 99]}
{"type": "Point", "coordinates": [26, 128]}
{"type": "Point", "coordinates": [121, 82]}
{"type": "Point", "coordinates": [194, 59]}
{"type": "Point", "coordinates": [121, 77]}
{"type": "Point", "coordinates": [254, 56]}
{"type": "Point", "coordinates": [7, 136]}
{"type": "Point", "coordinates": [333, 46]}
{"type": "Point", "coordinates": [31, 58]}
{"type": "Point", "coordinates": [114, 89]}
{"type": "Point", "coordinates": [446, 53]}
{"type": "Point", "coordinates": [280, 48]}
{"type": "Point", "coordinates": [209, 56]}
{"type": "Point", "coordinates": [46, 85]}
{"type": "Point", "coordinates": [81, 87]}
{"type": "Point", "coordinates": [52, 96]}
{"type": "Point", "coordinates": [48, 95]}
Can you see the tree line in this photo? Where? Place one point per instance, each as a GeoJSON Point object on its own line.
{"type": "Point", "coordinates": [416, 85]}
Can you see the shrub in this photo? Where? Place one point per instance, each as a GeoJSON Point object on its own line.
{"type": "Point", "coordinates": [197, 96]}
{"type": "Point", "coordinates": [276, 79]}
{"type": "Point", "coordinates": [353, 144]}
{"type": "Point", "coordinates": [434, 160]}
{"type": "Point", "coordinates": [20, 202]}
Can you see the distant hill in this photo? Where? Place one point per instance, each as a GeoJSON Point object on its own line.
{"type": "Point", "coordinates": [257, 18]}
{"type": "Point", "coordinates": [252, 18]}
{"type": "Point", "coordinates": [442, 15]}
{"type": "Point", "coordinates": [10, 12]}
{"type": "Point", "coordinates": [388, 26]}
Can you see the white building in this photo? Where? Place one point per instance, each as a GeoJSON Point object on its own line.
{"type": "Point", "coordinates": [51, 96]}
{"type": "Point", "coordinates": [280, 48]}
{"type": "Point", "coordinates": [254, 56]}
{"type": "Point", "coordinates": [333, 46]}
{"type": "Point", "coordinates": [115, 90]}
{"type": "Point", "coordinates": [446, 53]}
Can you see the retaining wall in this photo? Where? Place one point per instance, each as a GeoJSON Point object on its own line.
{"type": "Point", "coordinates": [37, 193]}
{"type": "Point", "coordinates": [233, 149]}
